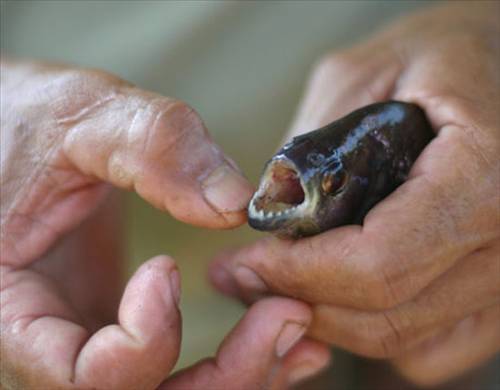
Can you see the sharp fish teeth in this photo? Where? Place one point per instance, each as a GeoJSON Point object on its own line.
{"type": "Point", "coordinates": [263, 214]}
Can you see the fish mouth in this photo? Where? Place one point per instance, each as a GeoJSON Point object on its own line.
{"type": "Point", "coordinates": [281, 195]}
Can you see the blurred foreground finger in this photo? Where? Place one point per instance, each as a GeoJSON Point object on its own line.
{"type": "Point", "coordinates": [250, 357]}
{"type": "Point", "coordinates": [147, 340]}
{"type": "Point", "coordinates": [39, 327]}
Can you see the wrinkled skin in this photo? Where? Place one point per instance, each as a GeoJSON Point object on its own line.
{"type": "Point", "coordinates": [68, 136]}
{"type": "Point", "coordinates": [418, 283]}
{"type": "Point", "coordinates": [343, 170]}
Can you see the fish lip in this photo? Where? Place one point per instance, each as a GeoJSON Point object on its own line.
{"type": "Point", "coordinates": [262, 220]}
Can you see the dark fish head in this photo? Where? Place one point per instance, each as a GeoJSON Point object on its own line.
{"type": "Point", "coordinates": [334, 175]}
{"type": "Point", "coordinates": [302, 189]}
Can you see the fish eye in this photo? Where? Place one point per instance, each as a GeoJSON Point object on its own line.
{"type": "Point", "coordinates": [332, 183]}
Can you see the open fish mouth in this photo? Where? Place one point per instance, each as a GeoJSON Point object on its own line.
{"type": "Point", "coordinates": [281, 193]}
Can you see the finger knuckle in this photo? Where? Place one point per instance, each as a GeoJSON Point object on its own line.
{"type": "Point", "coordinates": [378, 294]}
{"type": "Point", "coordinates": [167, 128]}
{"type": "Point", "coordinates": [72, 94]}
{"type": "Point", "coordinates": [385, 338]}
{"type": "Point", "coordinates": [181, 116]}
{"type": "Point", "coordinates": [389, 342]}
{"type": "Point", "coordinates": [386, 283]}
{"type": "Point", "coordinates": [175, 125]}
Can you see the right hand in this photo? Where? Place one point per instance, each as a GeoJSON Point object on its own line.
{"type": "Point", "coordinates": [418, 283]}
{"type": "Point", "coordinates": [68, 135]}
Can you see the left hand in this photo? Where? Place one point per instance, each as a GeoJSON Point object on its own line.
{"type": "Point", "coordinates": [419, 281]}
{"type": "Point", "coordinates": [68, 136]}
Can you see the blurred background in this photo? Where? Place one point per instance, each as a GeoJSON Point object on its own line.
{"type": "Point", "coordinates": [243, 66]}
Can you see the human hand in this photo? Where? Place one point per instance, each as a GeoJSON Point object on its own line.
{"type": "Point", "coordinates": [419, 282]}
{"type": "Point", "coordinates": [68, 136]}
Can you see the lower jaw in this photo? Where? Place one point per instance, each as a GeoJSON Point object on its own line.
{"type": "Point", "coordinates": [265, 224]}
{"type": "Point", "coordinates": [286, 228]}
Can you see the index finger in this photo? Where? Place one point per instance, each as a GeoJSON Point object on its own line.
{"type": "Point", "coordinates": [407, 240]}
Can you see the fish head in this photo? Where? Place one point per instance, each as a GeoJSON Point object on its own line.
{"type": "Point", "coordinates": [332, 176]}
{"type": "Point", "coordinates": [301, 190]}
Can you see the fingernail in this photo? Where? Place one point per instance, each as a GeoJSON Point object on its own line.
{"type": "Point", "coordinates": [175, 286]}
{"type": "Point", "coordinates": [304, 371]}
{"type": "Point", "coordinates": [226, 190]}
{"type": "Point", "coordinates": [288, 337]}
{"type": "Point", "coordinates": [249, 280]}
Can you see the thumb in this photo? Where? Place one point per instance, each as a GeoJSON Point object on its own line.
{"type": "Point", "coordinates": [160, 148]}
